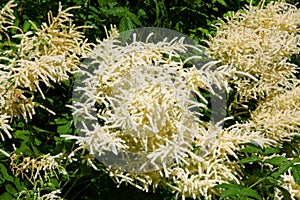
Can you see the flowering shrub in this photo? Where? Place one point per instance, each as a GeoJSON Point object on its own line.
{"type": "Point", "coordinates": [140, 109]}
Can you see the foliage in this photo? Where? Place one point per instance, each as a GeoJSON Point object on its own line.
{"type": "Point", "coordinates": [263, 171]}
{"type": "Point", "coordinates": [256, 155]}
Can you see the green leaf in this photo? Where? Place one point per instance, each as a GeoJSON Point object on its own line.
{"type": "Point", "coordinates": [233, 191]}
{"type": "Point", "coordinates": [134, 18]}
{"type": "Point", "coordinates": [22, 134]}
{"type": "Point", "coordinates": [230, 193]}
{"type": "Point", "coordinates": [19, 185]}
{"type": "Point", "coordinates": [39, 130]}
{"type": "Point", "coordinates": [118, 11]}
{"type": "Point", "coordinates": [295, 161]}
{"type": "Point", "coordinates": [277, 160]}
{"type": "Point", "coordinates": [296, 173]}
{"type": "Point", "coordinates": [250, 159]}
{"type": "Point", "coordinates": [126, 24]}
{"type": "Point", "coordinates": [282, 169]}
{"type": "Point", "coordinates": [65, 129]}
{"type": "Point", "coordinates": [271, 150]}
{"type": "Point", "coordinates": [9, 188]}
{"type": "Point", "coordinates": [95, 10]}
{"type": "Point", "coordinates": [251, 150]}
{"type": "Point", "coordinates": [3, 173]}
{"type": "Point", "coordinates": [6, 196]}
{"type": "Point", "coordinates": [61, 121]}
{"type": "Point", "coordinates": [37, 141]}
{"type": "Point", "coordinates": [225, 186]}
{"type": "Point", "coordinates": [26, 26]}
{"type": "Point", "coordinates": [222, 2]}
{"type": "Point", "coordinates": [142, 13]}
{"type": "Point", "coordinates": [248, 192]}
{"type": "Point", "coordinates": [272, 180]}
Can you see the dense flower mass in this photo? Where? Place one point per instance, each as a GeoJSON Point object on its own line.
{"type": "Point", "coordinates": [146, 102]}
{"type": "Point", "coordinates": [141, 106]}
{"type": "Point", "coordinates": [143, 99]}
{"type": "Point", "coordinates": [278, 117]}
{"type": "Point", "coordinates": [259, 41]}
{"type": "Point", "coordinates": [47, 56]}
{"type": "Point", "coordinates": [6, 17]}
{"type": "Point", "coordinates": [136, 116]}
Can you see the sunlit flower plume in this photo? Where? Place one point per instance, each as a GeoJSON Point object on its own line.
{"type": "Point", "coordinates": [7, 17]}
{"type": "Point", "coordinates": [259, 41]}
{"type": "Point", "coordinates": [146, 104]}
{"type": "Point", "coordinates": [135, 114]}
{"type": "Point", "coordinates": [47, 56]}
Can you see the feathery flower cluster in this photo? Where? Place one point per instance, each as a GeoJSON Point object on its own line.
{"type": "Point", "coordinates": [259, 41]}
{"type": "Point", "coordinates": [42, 58]}
{"type": "Point", "coordinates": [219, 164]}
{"type": "Point", "coordinates": [146, 104]}
{"type": "Point", "coordinates": [133, 102]}
{"type": "Point", "coordinates": [6, 17]}
{"type": "Point", "coordinates": [278, 117]}
{"type": "Point", "coordinates": [34, 169]}
{"type": "Point", "coordinates": [135, 99]}
{"type": "Point", "coordinates": [38, 171]}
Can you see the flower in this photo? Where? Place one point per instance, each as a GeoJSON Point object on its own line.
{"type": "Point", "coordinates": [278, 117]}
{"type": "Point", "coordinates": [6, 17]}
{"type": "Point", "coordinates": [290, 185]}
{"type": "Point", "coordinates": [145, 104]}
{"type": "Point", "coordinates": [259, 41]}
{"type": "Point", "coordinates": [34, 169]}
{"type": "Point", "coordinates": [45, 57]}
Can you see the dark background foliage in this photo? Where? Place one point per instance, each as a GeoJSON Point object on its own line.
{"type": "Point", "coordinates": [192, 17]}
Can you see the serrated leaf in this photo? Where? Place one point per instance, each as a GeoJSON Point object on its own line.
{"type": "Point", "coordinates": [251, 150]}
{"type": "Point", "coordinates": [230, 193]}
{"type": "Point", "coordinates": [61, 121]}
{"type": "Point", "coordinates": [35, 150]}
{"type": "Point", "coordinates": [6, 196]}
{"type": "Point", "coordinates": [125, 24]}
{"type": "Point", "coordinates": [296, 161]}
{"type": "Point", "coordinates": [37, 141]}
{"type": "Point", "coordinates": [22, 134]}
{"type": "Point", "coordinates": [4, 174]}
{"type": "Point", "coordinates": [64, 129]}
{"type": "Point", "coordinates": [93, 9]}
{"type": "Point", "coordinates": [134, 18]}
{"type": "Point", "coordinates": [250, 159]}
{"type": "Point", "coordinates": [271, 150]}
{"type": "Point", "coordinates": [10, 189]}
{"type": "Point", "coordinates": [296, 173]}
{"type": "Point", "coordinates": [26, 26]}
{"type": "Point", "coordinates": [118, 11]}
{"type": "Point", "coordinates": [248, 192]}
{"type": "Point", "coordinates": [142, 13]}
{"type": "Point", "coordinates": [222, 2]}
{"type": "Point", "coordinates": [277, 160]}
{"type": "Point", "coordinates": [282, 169]}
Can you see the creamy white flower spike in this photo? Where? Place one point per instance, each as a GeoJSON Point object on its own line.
{"type": "Point", "coordinates": [134, 99]}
